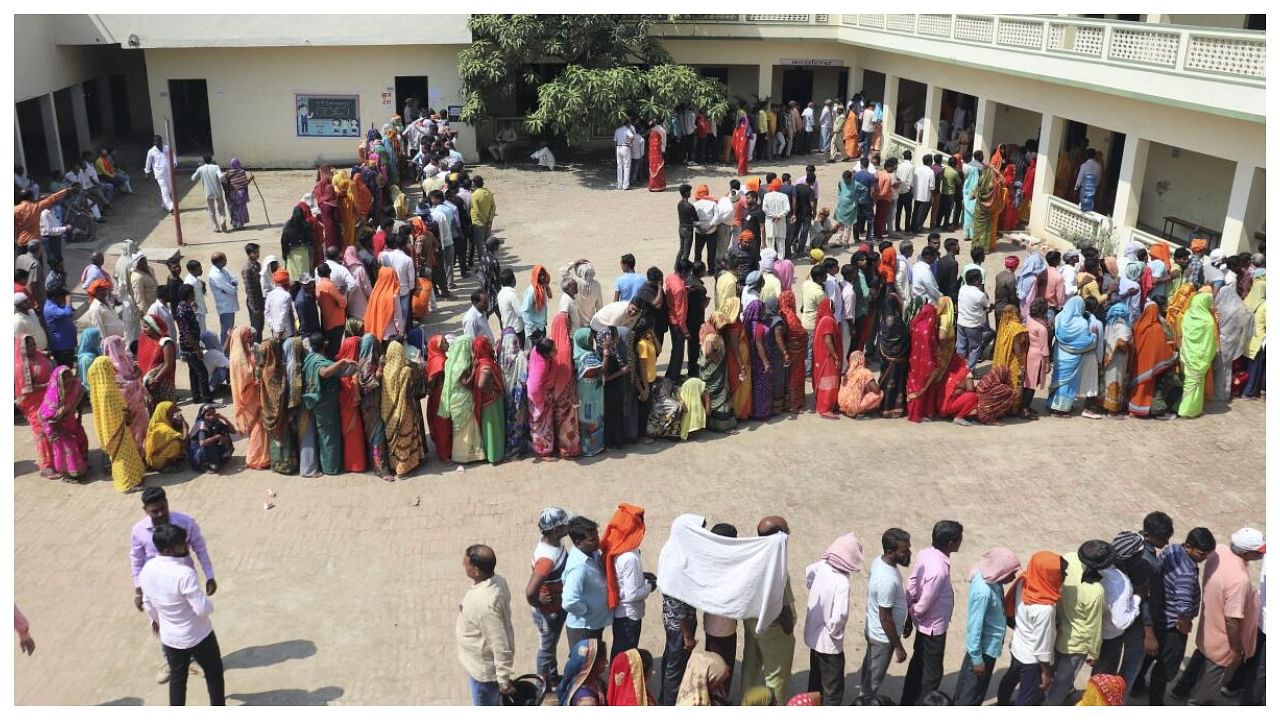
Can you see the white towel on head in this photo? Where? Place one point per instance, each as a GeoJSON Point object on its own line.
{"type": "Point", "coordinates": [737, 578]}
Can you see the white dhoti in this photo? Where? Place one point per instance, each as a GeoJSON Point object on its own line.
{"type": "Point", "coordinates": [166, 195]}
{"type": "Point", "coordinates": [132, 321]}
{"type": "Point", "coordinates": [623, 157]}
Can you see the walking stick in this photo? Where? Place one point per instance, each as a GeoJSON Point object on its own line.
{"type": "Point", "coordinates": [264, 201]}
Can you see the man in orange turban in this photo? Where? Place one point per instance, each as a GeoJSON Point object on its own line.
{"type": "Point", "coordinates": [626, 584]}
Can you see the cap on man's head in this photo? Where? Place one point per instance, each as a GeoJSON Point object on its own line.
{"type": "Point", "coordinates": [553, 518]}
{"type": "Point", "coordinates": [1249, 540]}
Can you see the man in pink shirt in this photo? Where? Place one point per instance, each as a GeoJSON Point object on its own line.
{"type": "Point", "coordinates": [930, 601]}
{"type": "Point", "coordinates": [1228, 632]}
{"type": "Point", "coordinates": [1055, 290]}
{"type": "Point", "coordinates": [883, 193]}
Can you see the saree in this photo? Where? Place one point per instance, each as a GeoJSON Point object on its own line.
{"type": "Point", "coordinates": [247, 398]}
{"type": "Point", "coordinates": [113, 433]}
{"type": "Point", "coordinates": [1198, 349]}
{"type": "Point", "coordinates": [383, 313]}
{"type": "Point", "coordinates": [401, 412]}
{"type": "Point", "coordinates": [695, 412]}
{"type": "Point", "coordinates": [1115, 362]}
{"type": "Point", "coordinates": [31, 384]}
{"type": "Point", "coordinates": [851, 126]}
{"type": "Point", "coordinates": [564, 395]}
{"type": "Point", "coordinates": [207, 458]}
{"type": "Point", "coordinates": [1235, 332]}
{"type": "Point", "coordinates": [1072, 340]}
{"type": "Point", "coordinates": [342, 187]}
{"type": "Point", "coordinates": [946, 330]}
{"type": "Point", "coordinates": [350, 417]}
{"type": "Point", "coordinates": [458, 404]}
{"type": "Point", "coordinates": [846, 206]}
{"type": "Point", "coordinates": [986, 211]}
{"type": "Point", "coordinates": [1028, 190]}
{"type": "Point", "coordinates": [1009, 213]}
{"type": "Point", "coordinates": [704, 676]}
{"type": "Point", "coordinates": [761, 378]}
{"type": "Point", "coordinates": [236, 183]}
{"type": "Point", "coordinates": [541, 413]}
{"type": "Point", "coordinates": [165, 446]}
{"type": "Point", "coordinates": [894, 344]}
{"type": "Point", "coordinates": [304, 425]}
{"type": "Point", "coordinates": [957, 402]}
{"type": "Point", "coordinates": [970, 198]}
{"type": "Point", "coordinates": [1153, 356]}
{"type": "Point", "coordinates": [714, 372]}
{"type": "Point", "coordinates": [859, 394]}
{"type": "Point", "coordinates": [797, 345]}
{"type": "Point", "coordinates": [489, 404]}
{"type": "Point", "coordinates": [627, 686]}
{"type": "Point", "coordinates": [129, 379]}
{"type": "Point", "coordinates": [581, 672]}
{"type": "Point", "coordinates": [88, 349]}
{"type": "Point", "coordinates": [996, 395]}
{"type": "Point", "coordinates": [775, 328]}
{"type": "Point", "coordinates": [665, 409]}
{"type": "Point", "coordinates": [369, 384]}
{"type": "Point", "coordinates": [515, 373]}
{"type": "Point", "coordinates": [826, 366]}
{"type": "Point", "coordinates": [740, 146]}
{"type": "Point", "coordinates": [276, 416]}
{"type": "Point", "coordinates": [1177, 307]}
{"type": "Point", "coordinates": [589, 372]}
{"type": "Point", "coordinates": [440, 426]}
{"type": "Point", "coordinates": [60, 423]}
{"type": "Point", "coordinates": [738, 355]}
{"type": "Point", "coordinates": [835, 148]}
{"type": "Point", "coordinates": [924, 389]}
{"type": "Point", "coordinates": [1011, 347]}
{"type": "Point", "coordinates": [657, 176]}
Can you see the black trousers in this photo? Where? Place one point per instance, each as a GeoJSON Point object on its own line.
{"type": "Point", "coordinates": [686, 242]}
{"type": "Point", "coordinates": [826, 676]}
{"type": "Point", "coordinates": [209, 656]}
{"type": "Point", "coordinates": [461, 244]}
{"type": "Point", "coordinates": [1251, 676]}
{"type": "Point", "coordinates": [626, 635]}
{"type": "Point", "coordinates": [944, 210]}
{"type": "Point", "coordinates": [575, 635]}
{"type": "Point", "coordinates": [1173, 645]}
{"type": "Point", "coordinates": [866, 221]}
{"type": "Point", "coordinates": [333, 341]}
{"type": "Point", "coordinates": [725, 647]}
{"type": "Point", "coordinates": [919, 215]}
{"type": "Point", "coordinates": [902, 221]}
{"type": "Point", "coordinates": [256, 318]}
{"type": "Point", "coordinates": [674, 660]}
{"type": "Point", "coordinates": [676, 366]}
{"type": "Point", "coordinates": [709, 242]}
{"type": "Point", "coordinates": [199, 376]}
{"type": "Point", "coordinates": [694, 350]}
{"type": "Point", "coordinates": [924, 672]}
{"type": "Point", "coordinates": [64, 357]}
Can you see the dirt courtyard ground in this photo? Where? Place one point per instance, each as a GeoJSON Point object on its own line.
{"type": "Point", "coordinates": [346, 592]}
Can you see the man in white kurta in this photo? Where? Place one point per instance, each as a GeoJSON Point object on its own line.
{"type": "Point", "coordinates": [158, 167]}
{"type": "Point", "coordinates": [776, 206]}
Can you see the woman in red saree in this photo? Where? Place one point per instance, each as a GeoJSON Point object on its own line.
{"type": "Point", "coordinates": [627, 684]}
{"type": "Point", "coordinates": [959, 398]}
{"type": "Point", "coordinates": [826, 362]}
{"type": "Point", "coordinates": [565, 389]}
{"type": "Point", "coordinates": [32, 371]}
{"type": "Point", "coordinates": [349, 417]}
{"type": "Point", "coordinates": [924, 391]}
{"type": "Point", "coordinates": [1009, 217]}
{"type": "Point", "coordinates": [1153, 355]}
{"type": "Point", "coordinates": [740, 146]}
{"type": "Point", "coordinates": [797, 344]}
{"type": "Point", "coordinates": [657, 155]}
{"type": "Point", "coordinates": [1028, 189]}
{"type": "Point", "coordinates": [441, 429]}
{"type": "Point", "coordinates": [330, 213]}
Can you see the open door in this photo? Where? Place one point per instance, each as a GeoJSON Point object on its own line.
{"type": "Point", "coordinates": [189, 101]}
{"type": "Point", "coordinates": [412, 86]}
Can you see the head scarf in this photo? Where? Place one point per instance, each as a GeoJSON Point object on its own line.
{"type": "Point", "coordinates": [776, 185]}
{"type": "Point", "coordinates": [577, 672]}
{"type": "Point", "coordinates": [164, 444]}
{"type": "Point", "coordinates": [1160, 251]}
{"type": "Point", "coordinates": [746, 236]}
{"type": "Point", "coordinates": [1041, 583]}
{"type": "Point", "coordinates": [1103, 690]}
{"type": "Point", "coordinates": [627, 687]}
{"type": "Point", "coordinates": [997, 563]}
{"type": "Point", "coordinates": [482, 358]}
{"type": "Point", "coordinates": [384, 303]}
{"type": "Point", "coordinates": [888, 268]}
{"type": "Point", "coordinates": [514, 361]}
{"type": "Point", "coordinates": [1011, 262]}
{"type": "Point", "coordinates": [768, 260]}
{"type": "Point", "coordinates": [702, 193]}
{"type": "Point", "coordinates": [1199, 245]}
{"type": "Point", "coordinates": [562, 363]}
{"type": "Point", "coordinates": [457, 365]}
{"type": "Point", "coordinates": [816, 256]}
{"type": "Point", "coordinates": [623, 534]}
{"type": "Point", "coordinates": [281, 278]}
{"type": "Point", "coordinates": [87, 350]}
{"type": "Point", "coordinates": [1235, 323]}
{"type": "Point", "coordinates": [785, 270]}
{"type": "Point", "coordinates": [1029, 274]}
{"type": "Point", "coordinates": [541, 293]}
{"type": "Point", "coordinates": [31, 365]}
{"type": "Point", "coordinates": [996, 394]}
{"type": "Point", "coordinates": [126, 369]}
{"type": "Point", "coordinates": [702, 671]}
{"type": "Point", "coordinates": [1071, 329]}
{"type": "Point", "coordinates": [1127, 545]}
{"type": "Point", "coordinates": [270, 373]}
{"type": "Point", "coordinates": [805, 699]}
{"type": "Point", "coordinates": [845, 554]}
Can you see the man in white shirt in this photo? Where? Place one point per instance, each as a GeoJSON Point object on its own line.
{"type": "Point", "coordinates": [923, 284]}
{"type": "Point", "coordinates": [339, 275]}
{"type": "Point", "coordinates": [776, 206]}
{"type": "Point", "coordinates": [622, 153]}
{"type": "Point", "coordinates": [706, 230]}
{"type": "Point", "coordinates": [501, 142]}
{"type": "Point", "coordinates": [52, 232]}
{"type": "Point", "coordinates": [278, 307]}
{"type": "Point", "coordinates": [825, 123]}
{"type": "Point", "coordinates": [210, 176]}
{"type": "Point", "coordinates": [179, 612]}
{"type": "Point", "coordinates": [886, 610]}
{"type": "Point", "coordinates": [76, 177]}
{"type": "Point", "coordinates": [633, 584]}
{"type": "Point", "coordinates": [1088, 180]}
{"type": "Point", "coordinates": [193, 279]}
{"type": "Point", "coordinates": [443, 221]}
{"type": "Point", "coordinates": [1068, 272]}
{"type": "Point", "coordinates": [475, 322]}
{"type": "Point", "coordinates": [824, 624]}
{"type": "Point", "coordinates": [509, 305]}
{"type": "Point", "coordinates": [224, 286]}
{"type": "Point", "coordinates": [158, 166]}
{"type": "Point", "coordinates": [807, 118]}
{"type": "Point", "coordinates": [924, 185]}
{"type": "Point", "coordinates": [902, 278]}
{"type": "Point", "coordinates": [904, 182]}
{"type": "Point", "coordinates": [406, 273]}
{"type": "Point", "coordinates": [972, 307]}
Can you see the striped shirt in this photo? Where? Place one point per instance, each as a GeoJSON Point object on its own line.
{"type": "Point", "coordinates": [1181, 585]}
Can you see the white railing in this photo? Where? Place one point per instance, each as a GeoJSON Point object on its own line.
{"type": "Point", "coordinates": [895, 144]}
{"type": "Point", "coordinates": [776, 19]}
{"type": "Point", "coordinates": [1070, 223]}
{"type": "Point", "coordinates": [1150, 239]}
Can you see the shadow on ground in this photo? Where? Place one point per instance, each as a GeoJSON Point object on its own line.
{"type": "Point", "coordinates": [264, 655]}
{"type": "Point", "coordinates": [290, 696]}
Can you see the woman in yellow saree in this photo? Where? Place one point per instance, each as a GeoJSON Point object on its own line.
{"type": "Point", "coordinates": [112, 426]}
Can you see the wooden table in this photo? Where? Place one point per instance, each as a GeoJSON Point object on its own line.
{"type": "Point", "coordinates": [1172, 222]}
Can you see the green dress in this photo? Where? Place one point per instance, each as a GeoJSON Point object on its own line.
{"type": "Point", "coordinates": [321, 398]}
{"type": "Point", "coordinates": [458, 404]}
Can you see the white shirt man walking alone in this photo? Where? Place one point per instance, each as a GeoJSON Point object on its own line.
{"type": "Point", "coordinates": [158, 166]}
{"type": "Point", "coordinates": [486, 641]}
{"type": "Point", "coordinates": [622, 149]}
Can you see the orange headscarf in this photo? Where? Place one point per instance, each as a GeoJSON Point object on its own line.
{"type": "Point", "coordinates": [753, 185]}
{"type": "Point", "coordinates": [623, 534]}
{"type": "Point", "coordinates": [1199, 245]}
{"type": "Point", "coordinates": [383, 302]}
{"type": "Point", "coordinates": [1160, 252]}
{"type": "Point", "coordinates": [702, 193]}
{"type": "Point", "coordinates": [746, 235]}
{"type": "Point", "coordinates": [1041, 583]}
{"type": "Point", "coordinates": [888, 266]}
{"type": "Point", "coordinates": [776, 185]}
{"type": "Point", "coordinates": [540, 292]}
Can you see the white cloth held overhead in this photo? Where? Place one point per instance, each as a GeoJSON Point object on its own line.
{"type": "Point", "coordinates": [737, 578]}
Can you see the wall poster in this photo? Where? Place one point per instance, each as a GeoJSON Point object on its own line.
{"type": "Point", "coordinates": [326, 115]}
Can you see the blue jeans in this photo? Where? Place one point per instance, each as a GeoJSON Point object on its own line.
{"type": "Point", "coordinates": [484, 693]}
{"type": "Point", "coordinates": [969, 342]}
{"type": "Point", "coordinates": [971, 688]}
{"type": "Point", "coordinates": [549, 629]}
{"type": "Point", "coordinates": [226, 321]}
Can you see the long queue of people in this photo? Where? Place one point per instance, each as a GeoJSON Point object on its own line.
{"type": "Point", "coordinates": [1123, 607]}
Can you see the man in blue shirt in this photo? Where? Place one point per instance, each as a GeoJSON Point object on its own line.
{"type": "Point", "coordinates": [984, 633]}
{"type": "Point", "coordinates": [584, 599]}
{"type": "Point", "coordinates": [58, 316]}
{"type": "Point", "coordinates": [1180, 566]}
{"type": "Point", "coordinates": [866, 207]}
{"type": "Point", "coordinates": [629, 282]}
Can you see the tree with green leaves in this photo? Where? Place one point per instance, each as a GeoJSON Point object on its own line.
{"type": "Point", "coordinates": [612, 67]}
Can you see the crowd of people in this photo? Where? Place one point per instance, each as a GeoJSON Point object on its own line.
{"type": "Point", "coordinates": [1125, 607]}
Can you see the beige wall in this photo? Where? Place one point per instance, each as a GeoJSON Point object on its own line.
{"type": "Point", "coordinates": [1255, 217]}
{"type": "Point", "coordinates": [1014, 124]}
{"type": "Point", "coordinates": [47, 67]}
{"type": "Point", "coordinates": [255, 121]}
{"type": "Point", "coordinates": [213, 31]}
{"type": "Point", "coordinates": [1235, 22]}
{"type": "Point", "coordinates": [1191, 186]}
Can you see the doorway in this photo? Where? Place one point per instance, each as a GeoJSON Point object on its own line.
{"type": "Point", "coordinates": [35, 144]}
{"type": "Point", "coordinates": [93, 107]}
{"type": "Point", "coordinates": [189, 102]}
{"type": "Point", "coordinates": [119, 104]}
{"type": "Point", "coordinates": [413, 86]}
{"type": "Point", "coordinates": [797, 84]}
{"type": "Point", "coordinates": [66, 115]}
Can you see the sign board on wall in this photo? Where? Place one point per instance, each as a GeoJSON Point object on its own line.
{"type": "Point", "coordinates": [455, 113]}
{"type": "Point", "coordinates": [812, 62]}
{"type": "Point", "coordinates": [326, 116]}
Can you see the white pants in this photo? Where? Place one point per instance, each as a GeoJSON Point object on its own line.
{"type": "Point", "coordinates": [166, 197]}
{"type": "Point", "coordinates": [623, 155]}
{"type": "Point", "coordinates": [217, 211]}
{"type": "Point", "coordinates": [751, 147]}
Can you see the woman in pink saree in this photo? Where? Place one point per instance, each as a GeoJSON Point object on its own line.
{"type": "Point", "coordinates": [59, 417]}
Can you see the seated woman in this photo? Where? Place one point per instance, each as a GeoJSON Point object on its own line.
{"type": "Point", "coordinates": [665, 409]}
{"type": "Point", "coordinates": [581, 681]}
{"type": "Point", "coordinates": [166, 442]}
{"type": "Point", "coordinates": [996, 396]}
{"type": "Point", "coordinates": [860, 393]}
{"type": "Point", "coordinates": [697, 404]}
{"type": "Point", "coordinates": [958, 397]}
{"type": "Point", "coordinates": [209, 445]}
{"type": "Point", "coordinates": [705, 683]}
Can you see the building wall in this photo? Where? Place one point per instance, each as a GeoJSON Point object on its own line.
{"type": "Point", "coordinates": [1191, 186]}
{"type": "Point", "coordinates": [1234, 22]}
{"type": "Point", "coordinates": [256, 121]}
{"type": "Point", "coordinates": [302, 30]}
{"type": "Point", "coordinates": [1255, 217]}
{"type": "Point", "coordinates": [1014, 124]}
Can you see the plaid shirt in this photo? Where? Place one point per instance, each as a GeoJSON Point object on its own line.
{"type": "Point", "coordinates": [1181, 585]}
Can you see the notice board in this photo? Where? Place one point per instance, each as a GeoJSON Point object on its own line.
{"type": "Point", "coordinates": [326, 115]}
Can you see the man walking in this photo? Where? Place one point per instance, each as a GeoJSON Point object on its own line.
{"type": "Point", "coordinates": [622, 152]}
{"type": "Point", "coordinates": [931, 601]}
{"type": "Point", "coordinates": [179, 610]}
{"type": "Point", "coordinates": [586, 601]}
{"type": "Point", "coordinates": [486, 640]}
{"type": "Point", "coordinates": [1180, 573]}
{"type": "Point", "coordinates": [223, 285]}
{"type": "Point", "coordinates": [158, 166]}
{"type": "Point", "coordinates": [887, 620]}
{"type": "Point", "coordinates": [210, 175]}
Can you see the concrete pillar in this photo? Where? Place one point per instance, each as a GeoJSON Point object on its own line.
{"type": "Point", "coordinates": [984, 126]}
{"type": "Point", "coordinates": [105, 104]}
{"type": "Point", "coordinates": [1154, 19]}
{"type": "Point", "coordinates": [1233, 228]}
{"type": "Point", "coordinates": [1133, 170]}
{"type": "Point", "coordinates": [83, 140]}
{"type": "Point", "coordinates": [890, 104]}
{"type": "Point", "coordinates": [1052, 131]}
{"type": "Point", "coordinates": [52, 139]}
{"type": "Point", "coordinates": [19, 154]}
{"type": "Point", "coordinates": [854, 83]}
{"type": "Point", "coordinates": [932, 109]}
{"type": "Point", "coordinates": [764, 82]}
